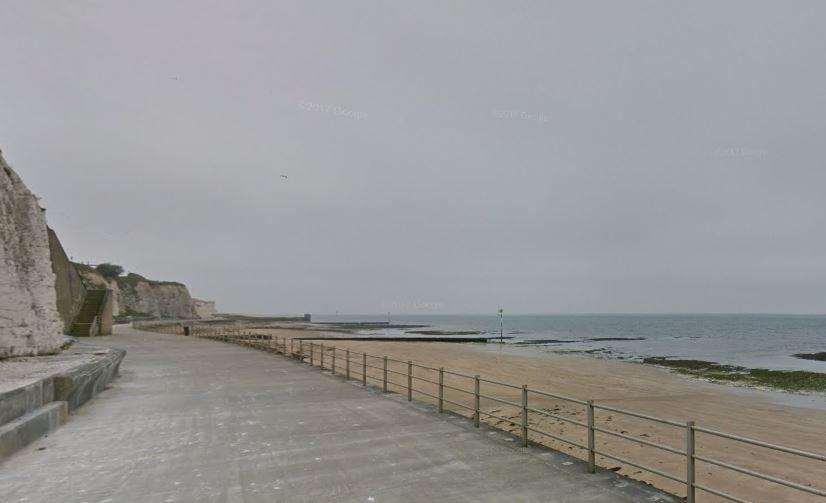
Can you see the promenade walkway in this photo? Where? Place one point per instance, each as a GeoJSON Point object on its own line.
{"type": "Point", "coordinates": [196, 420]}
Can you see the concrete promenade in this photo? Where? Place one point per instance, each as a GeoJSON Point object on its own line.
{"type": "Point", "coordinates": [197, 420]}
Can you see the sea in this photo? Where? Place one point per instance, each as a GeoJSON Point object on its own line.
{"type": "Point", "coordinates": [748, 340]}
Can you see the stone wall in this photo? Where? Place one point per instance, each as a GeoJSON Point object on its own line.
{"type": "Point", "coordinates": [29, 319]}
{"type": "Point", "coordinates": [68, 284]}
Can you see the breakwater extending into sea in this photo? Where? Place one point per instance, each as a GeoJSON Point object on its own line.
{"type": "Point", "coordinates": [747, 340]}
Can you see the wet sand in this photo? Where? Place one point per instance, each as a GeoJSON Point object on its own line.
{"type": "Point", "coordinates": [635, 387]}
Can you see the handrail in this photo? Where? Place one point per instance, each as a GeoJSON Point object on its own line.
{"type": "Point", "coordinates": [558, 397]}
{"type": "Point", "coordinates": [499, 383]}
{"type": "Point", "coordinates": [359, 366]}
{"type": "Point", "coordinates": [767, 445]}
{"type": "Point", "coordinates": [720, 494]}
{"type": "Point", "coordinates": [641, 467]}
{"type": "Point", "coordinates": [457, 389]}
{"type": "Point", "coordinates": [746, 471]}
{"type": "Point", "coordinates": [641, 441]}
{"type": "Point", "coordinates": [638, 415]}
{"type": "Point", "coordinates": [556, 416]}
{"type": "Point", "coordinates": [555, 437]}
{"type": "Point", "coordinates": [487, 397]}
{"type": "Point", "coordinates": [504, 419]}
{"type": "Point", "coordinates": [451, 372]}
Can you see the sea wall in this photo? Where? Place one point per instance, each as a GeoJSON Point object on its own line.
{"type": "Point", "coordinates": [29, 320]}
{"type": "Point", "coordinates": [68, 283]}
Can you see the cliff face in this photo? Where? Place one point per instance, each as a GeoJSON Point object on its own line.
{"type": "Point", "coordinates": [204, 308]}
{"type": "Point", "coordinates": [160, 299]}
{"type": "Point", "coordinates": [135, 295]}
{"type": "Point", "coordinates": [29, 320]}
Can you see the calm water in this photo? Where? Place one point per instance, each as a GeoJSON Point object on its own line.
{"type": "Point", "coordinates": [755, 341]}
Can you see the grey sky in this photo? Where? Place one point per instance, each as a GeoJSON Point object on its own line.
{"type": "Point", "coordinates": [645, 156]}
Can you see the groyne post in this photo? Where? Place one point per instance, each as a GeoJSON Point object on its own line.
{"type": "Point", "coordinates": [334, 360]}
{"type": "Point", "coordinates": [347, 367]}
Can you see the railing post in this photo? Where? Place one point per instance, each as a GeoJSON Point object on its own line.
{"type": "Point", "coordinates": [312, 350]}
{"type": "Point", "coordinates": [592, 461]}
{"type": "Point", "coordinates": [524, 415]}
{"type": "Point", "coordinates": [409, 381]}
{"type": "Point", "coordinates": [301, 350]}
{"type": "Point", "coordinates": [334, 360]}
{"type": "Point", "coordinates": [292, 346]}
{"type": "Point", "coordinates": [347, 368]}
{"type": "Point", "coordinates": [441, 390]}
{"type": "Point", "coordinates": [364, 369]}
{"type": "Point", "coordinates": [689, 461]}
{"type": "Point", "coordinates": [476, 413]}
{"type": "Point", "coordinates": [384, 381]}
{"type": "Point", "coordinates": [322, 357]}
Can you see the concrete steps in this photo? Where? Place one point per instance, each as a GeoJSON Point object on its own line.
{"type": "Point", "coordinates": [85, 319]}
{"type": "Point", "coordinates": [26, 429]}
{"type": "Point", "coordinates": [34, 409]}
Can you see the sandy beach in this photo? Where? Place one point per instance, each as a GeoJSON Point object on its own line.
{"type": "Point", "coordinates": [639, 388]}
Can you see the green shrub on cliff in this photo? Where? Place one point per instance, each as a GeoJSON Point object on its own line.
{"type": "Point", "coordinates": [109, 271]}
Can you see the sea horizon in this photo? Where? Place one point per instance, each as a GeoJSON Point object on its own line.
{"type": "Point", "coordinates": [750, 340]}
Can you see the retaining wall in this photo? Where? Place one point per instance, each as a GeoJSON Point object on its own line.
{"type": "Point", "coordinates": [32, 410]}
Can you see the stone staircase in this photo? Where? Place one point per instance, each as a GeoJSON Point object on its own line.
{"type": "Point", "coordinates": [85, 319]}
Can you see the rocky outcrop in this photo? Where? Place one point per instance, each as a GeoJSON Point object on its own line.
{"type": "Point", "coordinates": [29, 320]}
{"type": "Point", "coordinates": [136, 296]}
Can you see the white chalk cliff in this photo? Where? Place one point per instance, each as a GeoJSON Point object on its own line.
{"type": "Point", "coordinates": [29, 320]}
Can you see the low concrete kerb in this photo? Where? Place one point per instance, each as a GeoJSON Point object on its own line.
{"type": "Point", "coordinates": [36, 408]}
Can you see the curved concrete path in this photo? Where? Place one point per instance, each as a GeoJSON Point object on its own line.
{"type": "Point", "coordinates": [197, 420]}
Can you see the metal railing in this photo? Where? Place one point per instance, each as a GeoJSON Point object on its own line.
{"type": "Point", "coordinates": [379, 370]}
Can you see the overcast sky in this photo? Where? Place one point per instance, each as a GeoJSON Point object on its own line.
{"type": "Point", "coordinates": [451, 157]}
